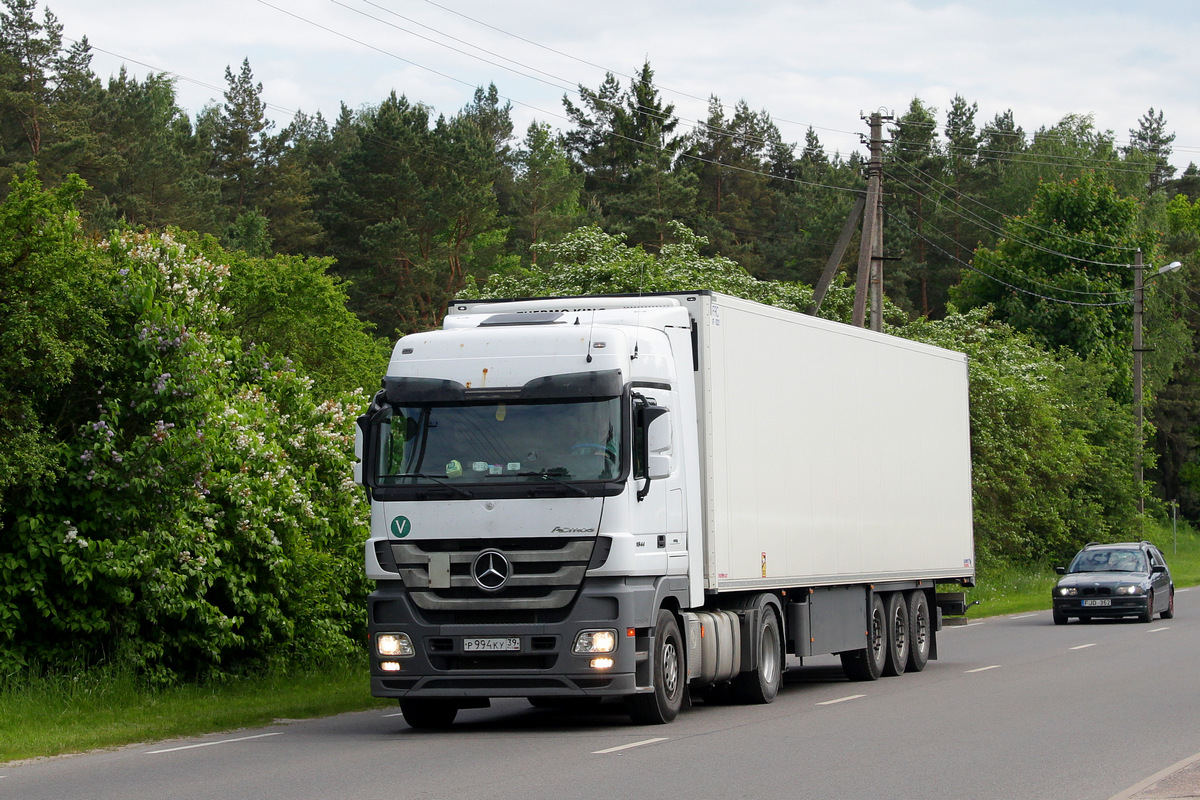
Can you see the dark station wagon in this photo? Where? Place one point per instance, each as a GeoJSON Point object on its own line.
{"type": "Point", "coordinates": [1128, 579]}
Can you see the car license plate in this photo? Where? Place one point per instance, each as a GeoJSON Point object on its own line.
{"type": "Point", "coordinates": [493, 644]}
{"type": "Point", "coordinates": [1093, 603]}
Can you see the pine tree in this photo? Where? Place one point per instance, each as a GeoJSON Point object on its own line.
{"type": "Point", "coordinates": [1151, 139]}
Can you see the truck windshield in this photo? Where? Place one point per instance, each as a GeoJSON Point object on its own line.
{"type": "Point", "coordinates": [500, 442]}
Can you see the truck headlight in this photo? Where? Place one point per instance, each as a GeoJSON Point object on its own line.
{"type": "Point", "coordinates": [394, 645]}
{"type": "Point", "coordinates": [589, 642]}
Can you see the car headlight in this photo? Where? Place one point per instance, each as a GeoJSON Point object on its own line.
{"type": "Point", "coordinates": [1067, 591]}
{"type": "Point", "coordinates": [394, 645]}
{"type": "Point", "coordinates": [1130, 590]}
{"type": "Point", "coordinates": [589, 642]}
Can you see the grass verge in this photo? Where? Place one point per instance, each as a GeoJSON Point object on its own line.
{"type": "Point", "coordinates": [108, 708]}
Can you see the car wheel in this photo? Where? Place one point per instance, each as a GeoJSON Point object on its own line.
{"type": "Point", "coordinates": [1059, 617]}
{"type": "Point", "coordinates": [1169, 611]}
{"type": "Point", "coordinates": [1148, 614]}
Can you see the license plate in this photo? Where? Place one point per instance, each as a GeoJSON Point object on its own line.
{"type": "Point", "coordinates": [492, 644]}
{"type": "Point", "coordinates": [1094, 603]}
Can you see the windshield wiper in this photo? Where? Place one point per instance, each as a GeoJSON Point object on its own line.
{"type": "Point", "coordinates": [545, 475]}
{"type": "Point", "coordinates": [439, 481]}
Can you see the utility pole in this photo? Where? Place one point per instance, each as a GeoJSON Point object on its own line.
{"type": "Point", "coordinates": [869, 280]}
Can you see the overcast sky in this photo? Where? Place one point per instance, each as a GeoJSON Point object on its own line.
{"type": "Point", "coordinates": [806, 63]}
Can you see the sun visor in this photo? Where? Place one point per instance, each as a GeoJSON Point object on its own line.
{"type": "Point", "coordinates": [597, 384]}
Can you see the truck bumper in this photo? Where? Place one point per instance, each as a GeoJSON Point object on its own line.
{"type": "Point", "coordinates": [533, 657]}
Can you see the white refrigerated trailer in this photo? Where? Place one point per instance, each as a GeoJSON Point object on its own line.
{"type": "Point", "coordinates": [644, 496]}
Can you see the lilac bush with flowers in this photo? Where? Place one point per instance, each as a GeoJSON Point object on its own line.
{"type": "Point", "coordinates": [199, 517]}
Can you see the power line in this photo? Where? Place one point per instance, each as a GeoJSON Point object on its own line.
{"type": "Point", "coordinates": [1014, 287]}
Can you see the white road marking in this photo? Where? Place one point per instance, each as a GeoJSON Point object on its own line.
{"type": "Point", "coordinates": [1156, 630]}
{"type": "Point", "coordinates": [1024, 616]}
{"type": "Point", "coordinates": [1084, 646]}
{"type": "Point", "coordinates": [1155, 778]}
{"type": "Point", "coordinates": [210, 744]}
{"type": "Point", "coordinates": [395, 714]}
{"type": "Point", "coordinates": [982, 669]}
{"type": "Point", "coordinates": [841, 700]}
{"type": "Point", "coordinates": [627, 746]}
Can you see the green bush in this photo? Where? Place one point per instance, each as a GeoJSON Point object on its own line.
{"type": "Point", "coordinates": [200, 516]}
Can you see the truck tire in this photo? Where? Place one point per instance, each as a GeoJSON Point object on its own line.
{"type": "Point", "coordinates": [920, 631]}
{"type": "Point", "coordinates": [867, 664]}
{"type": "Point", "coordinates": [668, 673]}
{"type": "Point", "coordinates": [761, 684]}
{"type": "Point", "coordinates": [896, 657]}
{"type": "Point", "coordinates": [424, 714]}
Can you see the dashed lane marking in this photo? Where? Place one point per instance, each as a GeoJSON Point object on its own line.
{"type": "Point", "coordinates": [841, 700]}
{"type": "Point", "coordinates": [619, 748]}
{"type": "Point", "coordinates": [982, 669]}
{"type": "Point", "coordinates": [1083, 646]}
{"type": "Point", "coordinates": [210, 744]}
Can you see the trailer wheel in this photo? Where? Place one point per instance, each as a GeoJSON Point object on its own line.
{"type": "Point", "coordinates": [896, 653]}
{"type": "Point", "coordinates": [761, 684]}
{"type": "Point", "coordinates": [920, 631]}
{"type": "Point", "coordinates": [425, 714]}
{"type": "Point", "coordinates": [662, 705]}
{"type": "Point", "coordinates": [867, 664]}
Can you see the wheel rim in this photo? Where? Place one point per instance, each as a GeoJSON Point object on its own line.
{"type": "Point", "coordinates": [900, 632]}
{"type": "Point", "coordinates": [921, 630]}
{"type": "Point", "coordinates": [670, 667]}
{"type": "Point", "coordinates": [878, 635]}
{"type": "Point", "coordinates": [768, 657]}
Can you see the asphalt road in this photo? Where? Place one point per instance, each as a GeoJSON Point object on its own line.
{"type": "Point", "coordinates": [1016, 708]}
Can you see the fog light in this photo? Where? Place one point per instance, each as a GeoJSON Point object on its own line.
{"type": "Point", "coordinates": [395, 645]}
{"type": "Point", "coordinates": [389, 666]}
{"type": "Point", "coordinates": [595, 642]}
{"type": "Point", "coordinates": [602, 663]}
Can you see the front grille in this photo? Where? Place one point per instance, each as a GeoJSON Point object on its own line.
{"type": "Point", "coordinates": [1095, 591]}
{"type": "Point", "coordinates": [546, 573]}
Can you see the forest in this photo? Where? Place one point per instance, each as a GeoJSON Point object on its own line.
{"type": "Point", "coordinates": [194, 307]}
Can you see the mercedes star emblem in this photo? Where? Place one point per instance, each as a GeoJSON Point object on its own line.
{"type": "Point", "coordinates": [491, 570]}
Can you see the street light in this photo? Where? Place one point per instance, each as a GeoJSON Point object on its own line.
{"type": "Point", "coordinates": [1138, 289]}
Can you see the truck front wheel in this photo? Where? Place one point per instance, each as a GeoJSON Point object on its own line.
{"type": "Point", "coordinates": [663, 704]}
{"type": "Point", "coordinates": [425, 714]}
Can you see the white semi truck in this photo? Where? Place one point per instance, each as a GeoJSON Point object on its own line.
{"type": "Point", "coordinates": [656, 497]}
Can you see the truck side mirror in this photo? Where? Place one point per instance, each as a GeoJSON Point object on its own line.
{"type": "Point", "coordinates": [658, 443]}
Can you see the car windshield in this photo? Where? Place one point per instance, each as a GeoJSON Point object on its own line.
{"type": "Point", "coordinates": [500, 442]}
{"type": "Point", "coordinates": [1109, 561]}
